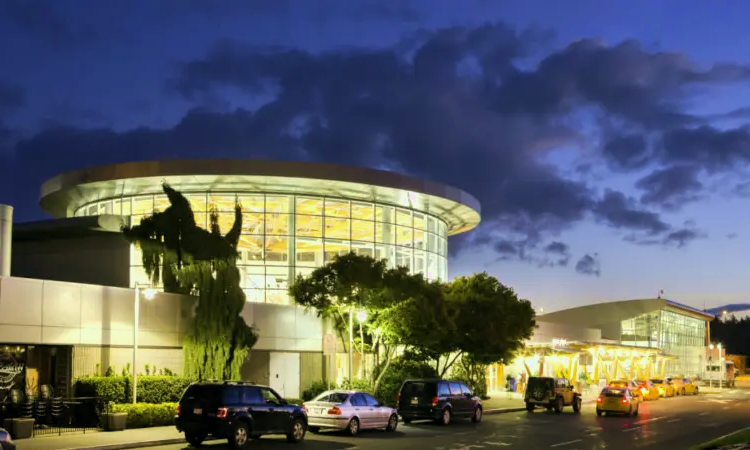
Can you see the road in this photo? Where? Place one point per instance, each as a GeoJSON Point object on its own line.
{"type": "Point", "coordinates": [667, 424]}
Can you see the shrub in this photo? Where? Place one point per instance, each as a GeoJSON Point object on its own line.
{"type": "Point", "coordinates": [119, 389]}
{"type": "Point", "coordinates": [357, 384]}
{"type": "Point", "coordinates": [317, 388]}
{"type": "Point", "coordinates": [143, 415]}
{"type": "Point", "coordinates": [473, 374]}
{"type": "Point", "coordinates": [401, 369]}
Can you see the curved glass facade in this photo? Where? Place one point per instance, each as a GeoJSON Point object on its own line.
{"type": "Point", "coordinates": [287, 235]}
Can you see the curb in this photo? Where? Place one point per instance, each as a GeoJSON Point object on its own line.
{"type": "Point", "coordinates": [129, 445]}
{"type": "Point", "coordinates": [522, 408]}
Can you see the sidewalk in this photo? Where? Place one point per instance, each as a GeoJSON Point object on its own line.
{"type": "Point", "coordinates": [100, 440]}
{"type": "Point", "coordinates": [503, 402]}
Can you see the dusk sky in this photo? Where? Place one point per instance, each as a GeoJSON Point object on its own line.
{"type": "Point", "coordinates": [608, 141]}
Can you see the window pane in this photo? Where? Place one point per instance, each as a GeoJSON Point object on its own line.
{"type": "Point", "coordinates": [419, 222]}
{"type": "Point", "coordinates": [252, 223]}
{"type": "Point", "coordinates": [404, 236]}
{"type": "Point", "coordinates": [105, 207]}
{"type": "Point", "coordinates": [336, 208]}
{"type": "Point", "coordinates": [432, 266]}
{"type": "Point", "coordinates": [278, 297]}
{"type": "Point", "coordinates": [255, 295]}
{"type": "Point", "coordinates": [442, 229]}
{"type": "Point", "coordinates": [385, 214]}
{"type": "Point", "coordinates": [431, 224]}
{"type": "Point", "coordinates": [309, 205]}
{"type": "Point", "coordinates": [279, 204]}
{"type": "Point", "coordinates": [403, 257]}
{"type": "Point", "coordinates": [363, 248]}
{"type": "Point", "coordinates": [385, 233]}
{"type": "Point", "coordinates": [252, 203]}
{"type": "Point", "coordinates": [387, 252]}
{"type": "Point", "coordinates": [197, 201]}
{"type": "Point", "coordinates": [309, 225]}
{"type": "Point", "coordinates": [336, 228]}
{"type": "Point", "coordinates": [250, 247]}
{"type": "Point", "coordinates": [419, 262]}
{"type": "Point", "coordinates": [334, 248]}
{"type": "Point", "coordinates": [222, 201]}
{"type": "Point", "coordinates": [143, 205]}
{"type": "Point", "coordinates": [127, 208]}
{"type": "Point", "coordinates": [363, 230]}
{"type": "Point", "coordinates": [419, 239]}
{"type": "Point", "coordinates": [138, 275]}
{"type": "Point", "coordinates": [441, 247]}
{"type": "Point", "coordinates": [277, 223]}
{"type": "Point", "coordinates": [201, 219]}
{"type": "Point", "coordinates": [403, 217]}
{"type": "Point", "coordinates": [277, 248]}
{"type": "Point", "coordinates": [226, 221]}
{"type": "Point", "coordinates": [363, 211]}
{"type": "Point", "coordinates": [309, 252]}
{"type": "Point", "coordinates": [277, 277]}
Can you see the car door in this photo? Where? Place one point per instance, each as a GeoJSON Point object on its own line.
{"type": "Point", "coordinates": [278, 416]}
{"type": "Point", "coordinates": [361, 410]}
{"type": "Point", "coordinates": [378, 414]}
{"type": "Point", "coordinates": [457, 399]}
{"type": "Point", "coordinates": [468, 398]}
{"type": "Point", "coordinates": [257, 408]}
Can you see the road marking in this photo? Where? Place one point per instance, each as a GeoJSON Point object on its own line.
{"type": "Point", "coordinates": [498, 443]}
{"type": "Point", "coordinates": [631, 429]}
{"type": "Point", "coordinates": [648, 420]}
{"type": "Point", "coordinates": [566, 443]}
{"type": "Point", "coordinates": [703, 413]}
{"type": "Point", "coordinates": [726, 407]}
{"type": "Point", "coordinates": [673, 420]}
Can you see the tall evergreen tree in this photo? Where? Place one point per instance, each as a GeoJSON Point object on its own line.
{"type": "Point", "coordinates": [191, 260]}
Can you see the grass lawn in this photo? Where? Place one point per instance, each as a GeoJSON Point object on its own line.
{"type": "Point", "coordinates": [738, 437]}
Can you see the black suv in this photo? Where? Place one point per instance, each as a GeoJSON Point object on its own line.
{"type": "Point", "coordinates": [551, 393]}
{"type": "Point", "coordinates": [438, 400]}
{"type": "Point", "coordinates": [237, 411]}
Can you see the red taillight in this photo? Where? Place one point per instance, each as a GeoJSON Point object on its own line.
{"type": "Point", "coordinates": [398, 399]}
{"type": "Point", "coordinates": [599, 400]}
{"type": "Point", "coordinates": [304, 406]}
{"type": "Point", "coordinates": [644, 391]}
{"type": "Point", "coordinates": [178, 410]}
{"type": "Point", "coordinates": [222, 413]}
{"type": "Point", "coordinates": [624, 401]}
{"type": "Point", "coordinates": [335, 411]}
{"type": "Point", "coordinates": [434, 401]}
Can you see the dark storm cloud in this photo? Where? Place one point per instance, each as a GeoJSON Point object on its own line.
{"type": "Point", "coordinates": [12, 97]}
{"type": "Point", "coordinates": [671, 187]}
{"type": "Point", "coordinates": [43, 18]}
{"type": "Point", "coordinates": [558, 254]}
{"type": "Point", "coordinates": [681, 238]}
{"type": "Point", "coordinates": [449, 105]}
{"type": "Point", "coordinates": [628, 152]}
{"type": "Point", "coordinates": [713, 149]}
{"type": "Point", "coordinates": [589, 265]}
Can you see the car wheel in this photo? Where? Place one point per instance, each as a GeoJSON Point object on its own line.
{"type": "Point", "coordinates": [529, 407]}
{"type": "Point", "coordinates": [298, 432]}
{"type": "Point", "coordinates": [353, 427]}
{"type": "Point", "coordinates": [195, 439]}
{"type": "Point", "coordinates": [239, 436]}
{"type": "Point", "coordinates": [682, 391]}
{"type": "Point", "coordinates": [577, 405]}
{"type": "Point", "coordinates": [314, 430]}
{"type": "Point", "coordinates": [392, 423]}
{"type": "Point", "coordinates": [598, 412]}
{"type": "Point", "coordinates": [558, 405]}
{"type": "Point", "coordinates": [477, 417]}
{"type": "Point", "coordinates": [695, 392]}
{"type": "Point", "coordinates": [445, 418]}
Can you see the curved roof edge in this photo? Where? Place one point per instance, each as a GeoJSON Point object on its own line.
{"type": "Point", "coordinates": [65, 192]}
{"type": "Point", "coordinates": [601, 314]}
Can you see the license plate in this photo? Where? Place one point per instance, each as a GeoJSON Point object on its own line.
{"type": "Point", "coordinates": [414, 400]}
{"type": "Point", "coordinates": [197, 411]}
{"type": "Point", "coordinates": [322, 411]}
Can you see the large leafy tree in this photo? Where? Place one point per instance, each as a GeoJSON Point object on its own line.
{"type": "Point", "coordinates": [191, 260]}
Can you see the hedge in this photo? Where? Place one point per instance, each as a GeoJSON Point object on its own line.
{"type": "Point", "coordinates": [144, 415]}
{"type": "Point", "coordinates": [119, 389]}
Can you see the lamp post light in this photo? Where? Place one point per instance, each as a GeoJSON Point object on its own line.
{"type": "Point", "coordinates": [149, 294]}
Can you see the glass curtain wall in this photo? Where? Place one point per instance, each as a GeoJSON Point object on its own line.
{"type": "Point", "coordinates": [287, 235]}
{"type": "Point", "coordinates": [676, 334]}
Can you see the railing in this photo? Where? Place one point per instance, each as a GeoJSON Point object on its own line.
{"type": "Point", "coordinates": [58, 415]}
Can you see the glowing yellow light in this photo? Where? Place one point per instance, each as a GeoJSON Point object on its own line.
{"type": "Point", "coordinates": [601, 350]}
{"type": "Point", "coordinates": [610, 352]}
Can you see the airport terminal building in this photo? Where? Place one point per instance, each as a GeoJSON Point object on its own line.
{"type": "Point", "coordinates": [67, 288]}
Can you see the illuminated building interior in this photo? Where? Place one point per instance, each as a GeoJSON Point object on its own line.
{"type": "Point", "coordinates": [287, 235]}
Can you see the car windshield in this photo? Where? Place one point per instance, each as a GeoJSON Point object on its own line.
{"type": "Point", "coordinates": [332, 397]}
{"type": "Point", "coordinates": [656, 380]}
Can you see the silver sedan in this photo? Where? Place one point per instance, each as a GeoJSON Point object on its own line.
{"type": "Point", "coordinates": [348, 410]}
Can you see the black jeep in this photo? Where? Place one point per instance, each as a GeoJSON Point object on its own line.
{"type": "Point", "coordinates": [551, 393]}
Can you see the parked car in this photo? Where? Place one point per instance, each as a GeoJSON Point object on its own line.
{"type": "Point", "coordinates": [629, 384]}
{"type": "Point", "coordinates": [617, 401]}
{"type": "Point", "coordinates": [647, 388]}
{"type": "Point", "coordinates": [684, 386]}
{"type": "Point", "coordinates": [666, 389]}
{"type": "Point", "coordinates": [237, 411]}
{"type": "Point", "coordinates": [551, 393]}
{"type": "Point", "coordinates": [438, 400]}
{"type": "Point", "coordinates": [6, 443]}
{"type": "Point", "coordinates": [348, 410]}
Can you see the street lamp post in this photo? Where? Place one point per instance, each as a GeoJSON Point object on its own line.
{"type": "Point", "coordinates": [351, 343]}
{"type": "Point", "coordinates": [149, 294]}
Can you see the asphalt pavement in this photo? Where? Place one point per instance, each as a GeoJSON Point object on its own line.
{"type": "Point", "coordinates": [667, 424]}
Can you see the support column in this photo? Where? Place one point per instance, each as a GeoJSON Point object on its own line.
{"type": "Point", "coordinates": [387, 230]}
{"type": "Point", "coordinates": [6, 239]}
{"type": "Point", "coordinates": [291, 244]}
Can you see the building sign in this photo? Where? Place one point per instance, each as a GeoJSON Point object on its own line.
{"type": "Point", "coordinates": [559, 342]}
{"type": "Point", "coordinates": [11, 372]}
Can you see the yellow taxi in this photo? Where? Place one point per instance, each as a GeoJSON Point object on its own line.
{"type": "Point", "coordinates": [684, 386]}
{"type": "Point", "coordinates": [647, 388]}
{"type": "Point", "coordinates": [666, 389]}
{"type": "Point", "coordinates": [629, 384]}
{"type": "Point", "coordinates": [617, 401]}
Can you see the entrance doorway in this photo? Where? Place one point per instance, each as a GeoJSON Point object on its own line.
{"type": "Point", "coordinates": [284, 371]}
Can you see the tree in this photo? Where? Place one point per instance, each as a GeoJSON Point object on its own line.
{"type": "Point", "coordinates": [192, 260]}
{"type": "Point", "coordinates": [490, 323]}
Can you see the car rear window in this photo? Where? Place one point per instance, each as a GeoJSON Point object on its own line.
{"type": "Point", "coordinates": [207, 393]}
{"type": "Point", "coordinates": [332, 397]}
{"type": "Point", "coordinates": [418, 389]}
{"type": "Point", "coordinates": [656, 380]}
{"type": "Point", "coordinates": [614, 393]}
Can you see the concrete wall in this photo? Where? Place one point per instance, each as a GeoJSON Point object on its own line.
{"type": "Point", "coordinates": [547, 331]}
{"type": "Point", "coordinates": [101, 258]}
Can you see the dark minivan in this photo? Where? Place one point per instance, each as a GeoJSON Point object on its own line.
{"type": "Point", "coordinates": [438, 400]}
{"type": "Point", "coordinates": [237, 411]}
